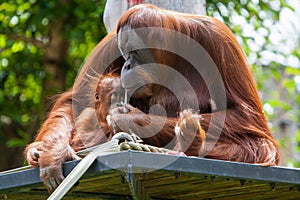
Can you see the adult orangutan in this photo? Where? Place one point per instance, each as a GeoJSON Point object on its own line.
{"type": "Point", "coordinates": [144, 32]}
{"type": "Point", "coordinates": [162, 81]}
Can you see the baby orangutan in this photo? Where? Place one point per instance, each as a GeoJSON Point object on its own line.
{"type": "Point", "coordinates": [90, 128]}
{"type": "Point", "coordinates": [93, 125]}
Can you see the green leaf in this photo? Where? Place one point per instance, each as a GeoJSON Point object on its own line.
{"type": "Point", "coordinates": [16, 142]}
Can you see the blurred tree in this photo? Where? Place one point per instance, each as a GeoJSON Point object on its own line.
{"type": "Point", "coordinates": [43, 43]}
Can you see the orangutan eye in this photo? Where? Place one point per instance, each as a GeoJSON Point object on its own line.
{"type": "Point", "coordinates": [96, 97]}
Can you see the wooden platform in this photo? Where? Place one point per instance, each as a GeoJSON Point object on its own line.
{"type": "Point", "coordinates": [139, 175]}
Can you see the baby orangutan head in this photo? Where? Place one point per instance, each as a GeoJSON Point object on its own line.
{"type": "Point", "coordinates": [109, 93]}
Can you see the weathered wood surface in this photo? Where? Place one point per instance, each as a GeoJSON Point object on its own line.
{"type": "Point", "coordinates": [154, 176]}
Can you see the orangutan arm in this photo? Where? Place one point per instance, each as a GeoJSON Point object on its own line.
{"type": "Point", "coordinates": [239, 145]}
{"type": "Point", "coordinates": [51, 147]}
{"type": "Point", "coordinates": [154, 130]}
{"type": "Point", "coordinates": [159, 131]}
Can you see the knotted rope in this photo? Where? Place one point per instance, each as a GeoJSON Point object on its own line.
{"type": "Point", "coordinates": [141, 147]}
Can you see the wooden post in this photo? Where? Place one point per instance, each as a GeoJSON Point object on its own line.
{"type": "Point", "coordinates": [114, 9]}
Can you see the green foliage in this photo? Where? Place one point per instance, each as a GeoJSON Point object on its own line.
{"type": "Point", "coordinates": [24, 27]}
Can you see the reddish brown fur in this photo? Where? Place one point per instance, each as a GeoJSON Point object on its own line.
{"type": "Point", "coordinates": [91, 125]}
{"type": "Point", "coordinates": [109, 92]}
{"type": "Point", "coordinates": [91, 129]}
{"type": "Point", "coordinates": [245, 136]}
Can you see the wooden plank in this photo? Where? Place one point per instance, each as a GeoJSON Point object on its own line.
{"type": "Point", "coordinates": [183, 178]}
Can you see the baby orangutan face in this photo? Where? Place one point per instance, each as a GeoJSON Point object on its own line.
{"type": "Point", "coordinates": [109, 93]}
